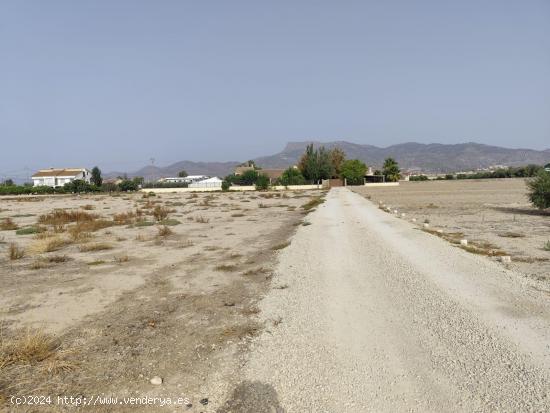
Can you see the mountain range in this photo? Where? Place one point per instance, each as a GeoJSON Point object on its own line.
{"type": "Point", "coordinates": [433, 157]}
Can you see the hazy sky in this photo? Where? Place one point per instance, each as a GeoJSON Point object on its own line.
{"type": "Point", "coordinates": [114, 83]}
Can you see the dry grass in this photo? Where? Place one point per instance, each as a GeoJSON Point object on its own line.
{"type": "Point", "coordinates": [312, 203]}
{"type": "Point", "coordinates": [44, 262]}
{"type": "Point", "coordinates": [78, 233]}
{"type": "Point", "coordinates": [124, 218]}
{"type": "Point", "coordinates": [87, 207]}
{"type": "Point", "coordinates": [164, 231]}
{"type": "Point", "coordinates": [122, 258]}
{"type": "Point", "coordinates": [15, 252]}
{"type": "Point", "coordinates": [29, 347]}
{"type": "Point", "coordinates": [474, 247]}
{"type": "Point", "coordinates": [96, 246]}
{"type": "Point", "coordinates": [489, 252]}
{"type": "Point", "coordinates": [280, 246]}
{"type": "Point", "coordinates": [7, 224]}
{"type": "Point", "coordinates": [141, 238]}
{"type": "Point", "coordinates": [49, 244]}
{"type": "Point", "coordinates": [57, 259]}
{"type": "Point", "coordinates": [226, 267]}
{"type": "Point", "coordinates": [511, 234]}
{"type": "Point", "coordinates": [63, 216]}
{"type": "Point", "coordinates": [160, 213]}
{"type": "Point", "coordinates": [201, 220]}
{"type": "Point", "coordinates": [256, 271]}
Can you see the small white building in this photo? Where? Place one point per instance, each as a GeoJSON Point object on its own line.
{"type": "Point", "coordinates": [213, 182]}
{"type": "Point", "coordinates": [187, 179]}
{"type": "Point", "coordinates": [55, 177]}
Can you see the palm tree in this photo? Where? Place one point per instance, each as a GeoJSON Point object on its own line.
{"type": "Point", "coordinates": [391, 170]}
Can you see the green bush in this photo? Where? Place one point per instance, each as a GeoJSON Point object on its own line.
{"type": "Point", "coordinates": [226, 185]}
{"type": "Point", "coordinates": [539, 190]}
{"type": "Point", "coordinates": [128, 185]}
{"type": "Point", "coordinates": [354, 171]}
{"type": "Point", "coordinates": [262, 182]}
{"type": "Point", "coordinates": [27, 190]}
{"type": "Point", "coordinates": [78, 186]}
{"type": "Point", "coordinates": [246, 179]}
{"type": "Point", "coordinates": [292, 176]}
{"type": "Point", "coordinates": [418, 178]}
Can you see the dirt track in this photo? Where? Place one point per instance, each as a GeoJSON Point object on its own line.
{"type": "Point", "coordinates": [370, 314]}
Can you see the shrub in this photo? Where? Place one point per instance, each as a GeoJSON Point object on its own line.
{"type": "Point", "coordinates": [226, 185]}
{"type": "Point", "coordinates": [547, 246]}
{"type": "Point", "coordinates": [292, 176]}
{"type": "Point", "coordinates": [8, 224]}
{"type": "Point", "coordinates": [262, 183]}
{"type": "Point", "coordinates": [79, 185]}
{"type": "Point", "coordinates": [418, 178]}
{"type": "Point", "coordinates": [99, 246]}
{"type": "Point", "coordinates": [128, 185]}
{"type": "Point", "coordinates": [160, 213]}
{"type": "Point", "coordinates": [63, 216]}
{"type": "Point", "coordinates": [28, 230]}
{"type": "Point", "coordinates": [354, 171]}
{"type": "Point", "coordinates": [164, 231]}
{"type": "Point", "coordinates": [539, 190]}
{"type": "Point", "coordinates": [245, 179]}
{"type": "Point", "coordinates": [312, 203]}
{"type": "Point", "coordinates": [15, 252]}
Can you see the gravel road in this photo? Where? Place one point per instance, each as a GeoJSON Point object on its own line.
{"type": "Point", "coordinates": [368, 313]}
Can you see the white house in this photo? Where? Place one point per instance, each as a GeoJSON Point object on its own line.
{"type": "Point", "coordinates": [55, 177]}
{"type": "Point", "coordinates": [213, 182]}
{"type": "Point", "coordinates": [187, 179]}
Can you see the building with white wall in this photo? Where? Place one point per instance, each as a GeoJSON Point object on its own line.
{"type": "Point", "coordinates": [56, 177]}
{"type": "Point", "coordinates": [213, 182]}
{"type": "Point", "coordinates": [187, 179]}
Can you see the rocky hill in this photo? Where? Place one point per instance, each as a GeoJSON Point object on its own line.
{"type": "Point", "coordinates": [433, 157]}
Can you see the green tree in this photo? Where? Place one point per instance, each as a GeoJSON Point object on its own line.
{"type": "Point", "coordinates": [353, 171]}
{"type": "Point", "coordinates": [96, 178]}
{"type": "Point", "coordinates": [316, 164]}
{"type": "Point", "coordinates": [128, 185]}
{"type": "Point", "coordinates": [391, 170]}
{"type": "Point", "coordinates": [182, 173]}
{"type": "Point", "coordinates": [324, 161]}
{"type": "Point", "coordinates": [308, 164]}
{"type": "Point", "coordinates": [337, 158]}
{"type": "Point", "coordinates": [8, 182]}
{"type": "Point", "coordinates": [262, 182]}
{"type": "Point", "coordinates": [247, 178]}
{"type": "Point", "coordinates": [539, 190]}
{"type": "Point", "coordinates": [138, 180]}
{"type": "Point", "coordinates": [79, 185]}
{"type": "Point", "coordinates": [292, 176]}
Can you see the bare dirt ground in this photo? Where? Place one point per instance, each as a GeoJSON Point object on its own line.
{"type": "Point", "coordinates": [372, 315]}
{"type": "Point", "coordinates": [124, 297]}
{"type": "Point", "coordinates": [494, 214]}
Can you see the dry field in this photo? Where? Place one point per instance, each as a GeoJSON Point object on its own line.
{"type": "Point", "coordinates": [101, 293]}
{"type": "Point", "coordinates": [493, 215]}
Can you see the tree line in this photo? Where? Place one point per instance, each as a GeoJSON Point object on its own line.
{"type": "Point", "coordinates": [96, 184]}
{"type": "Point", "coordinates": [314, 165]}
